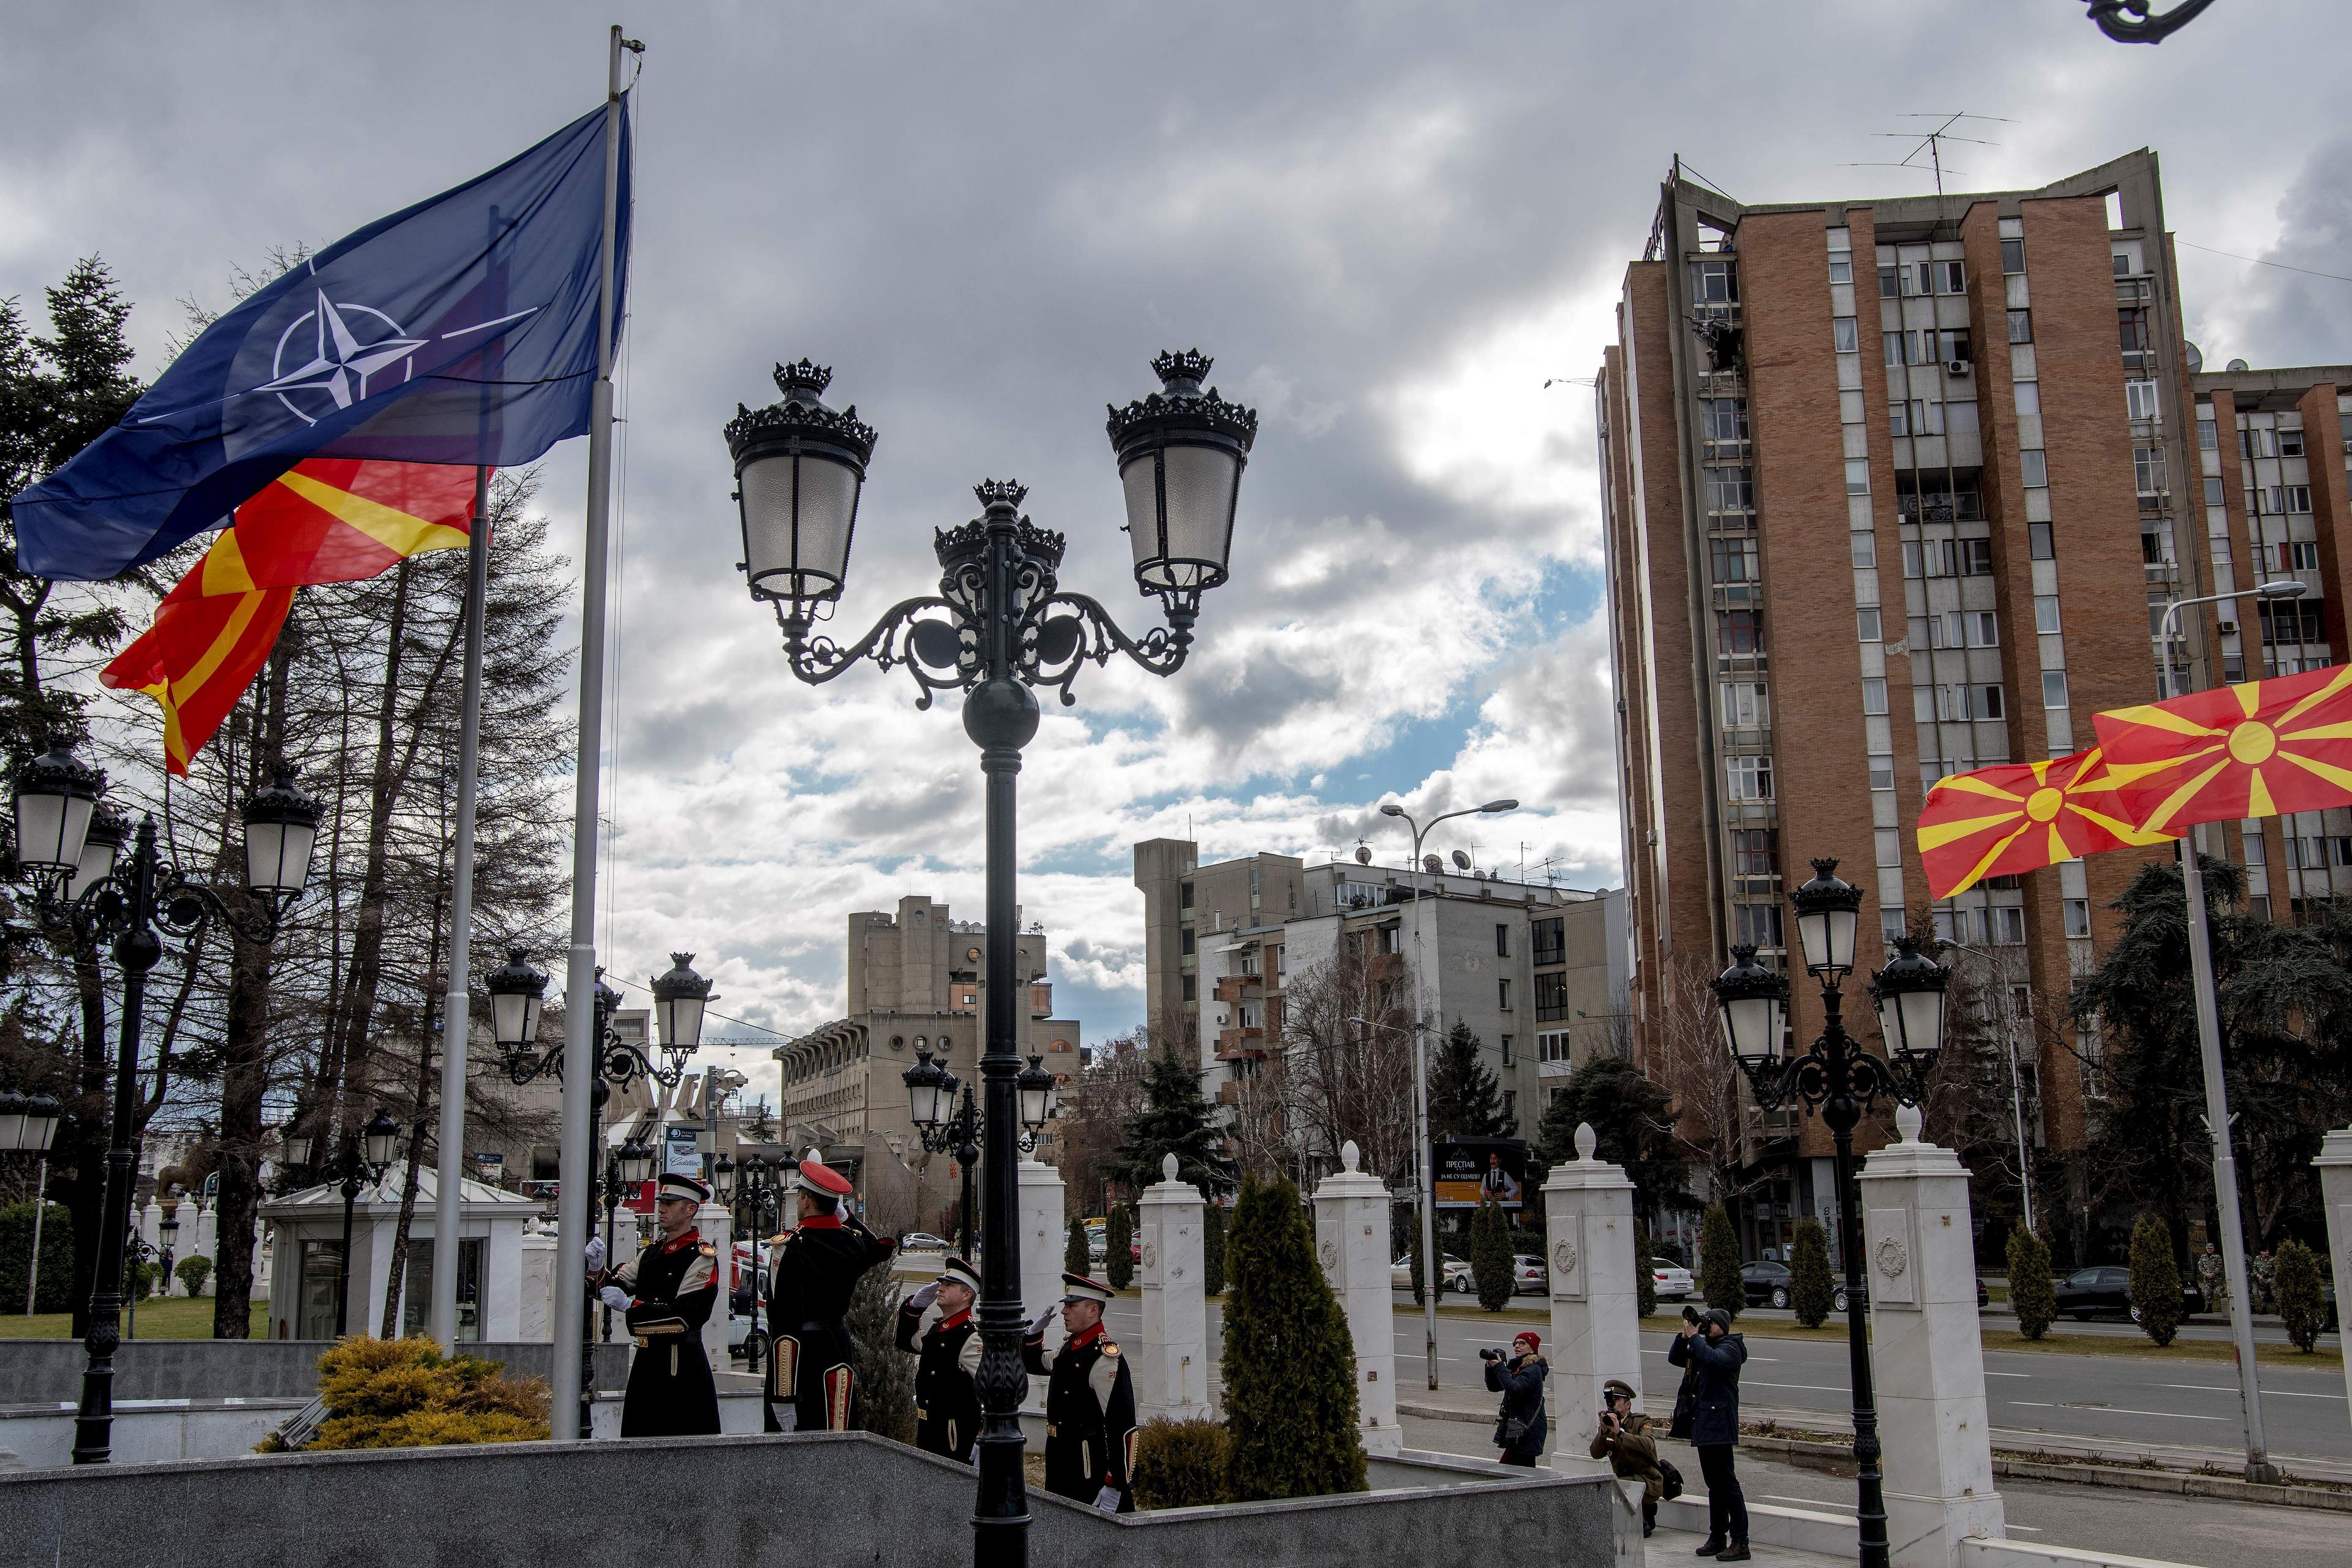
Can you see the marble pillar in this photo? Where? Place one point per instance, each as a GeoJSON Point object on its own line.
{"type": "Point", "coordinates": [1171, 1365]}
{"type": "Point", "coordinates": [1351, 1243]}
{"type": "Point", "coordinates": [2335, 1165]}
{"type": "Point", "coordinates": [1596, 1313]}
{"type": "Point", "coordinates": [1926, 1354]}
{"type": "Point", "coordinates": [1043, 1230]}
{"type": "Point", "coordinates": [717, 1227]}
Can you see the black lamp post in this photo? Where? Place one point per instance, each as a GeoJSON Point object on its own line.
{"type": "Point", "coordinates": [944, 1126]}
{"type": "Point", "coordinates": [999, 627]}
{"type": "Point", "coordinates": [68, 847]}
{"type": "Point", "coordinates": [1843, 1079]}
{"type": "Point", "coordinates": [367, 1156]}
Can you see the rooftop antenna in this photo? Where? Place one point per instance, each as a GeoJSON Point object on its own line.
{"type": "Point", "coordinates": [1932, 144]}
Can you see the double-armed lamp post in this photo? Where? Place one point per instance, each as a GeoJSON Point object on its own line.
{"type": "Point", "coordinates": [1843, 1079]}
{"type": "Point", "coordinates": [68, 847]}
{"type": "Point", "coordinates": [946, 1127]}
{"type": "Point", "coordinates": [999, 627]}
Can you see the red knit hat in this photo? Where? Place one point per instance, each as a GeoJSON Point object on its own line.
{"type": "Point", "coordinates": [1534, 1343]}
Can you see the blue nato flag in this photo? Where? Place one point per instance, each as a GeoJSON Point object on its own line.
{"type": "Point", "coordinates": [460, 331]}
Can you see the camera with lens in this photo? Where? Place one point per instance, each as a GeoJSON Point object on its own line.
{"type": "Point", "coordinates": [1490, 1353]}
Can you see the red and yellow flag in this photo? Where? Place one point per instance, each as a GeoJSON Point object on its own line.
{"type": "Point", "coordinates": [2021, 816]}
{"type": "Point", "coordinates": [2260, 749]}
{"type": "Point", "coordinates": [324, 520]}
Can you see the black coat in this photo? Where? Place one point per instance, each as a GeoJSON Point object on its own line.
{"type": "Point", "coordinates": [815, 1269]}
{"type": "Point", "coordinates": [947, 1404]}
{"type": "Point", "coordinates": [1520, 1382]}
{"type": "Point", "coordinates": [1090, 1417]}
{"type": "Point", "coordinates": [1715, 1392]}
{"type": "Point", "coordinates": [673, 1286]}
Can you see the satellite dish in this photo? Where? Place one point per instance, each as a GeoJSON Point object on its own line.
{"type": "Point", "coordinates": [1461, 861]}
{"type": "Point", "coordinates": [1363, 855]}
{"type": "Point", "coordinates": [1432, 864]}
{"type": "Point", "coordinates": [2196, 357]}
{"type": "Point", "coordinates": [2238, 365]}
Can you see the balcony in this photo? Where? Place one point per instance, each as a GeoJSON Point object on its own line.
{"type": "Point", "coordinates": [1246, 1043]}
{"type": "Point", "coordinates": [1239, 987]}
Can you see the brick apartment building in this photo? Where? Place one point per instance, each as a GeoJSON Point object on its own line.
{"type": "Point", "coordinates": [1898, 489]}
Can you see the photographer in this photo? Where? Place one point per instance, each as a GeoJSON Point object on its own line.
{"type": "Point", "coordinates": [1624, 1441]}
{"type": "Point", "coordinates": [1710, 1349]}
{"type": "Point", "coordinates": [1519, 1427]}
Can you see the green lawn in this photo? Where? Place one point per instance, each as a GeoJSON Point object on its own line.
{"type": "Point", "coordinates": [179, 1318]}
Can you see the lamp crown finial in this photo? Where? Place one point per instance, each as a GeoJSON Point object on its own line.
{"type": "Point", "coordinates": [804, 377]}
{"type": "Point", "coordinates": [1008, 493]}
{"type": "Point", "coordinates": [1184, 371]}
{"type": "Point", "coordinates": [1825, 867]}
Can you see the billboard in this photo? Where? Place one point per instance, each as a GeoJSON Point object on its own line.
{"type": "Point", "coordinates": [1470, 1171]}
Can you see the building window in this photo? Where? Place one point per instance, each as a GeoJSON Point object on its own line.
{"type": "Point", "coordinates": [1740, 633]}
{"type": "Point", "coordinates": [1985, 702]}
{"type": "Point", "coordinates": [1889, 282]}
{"type": "Point", "coordinates": [1503, 994]}
{"type": "Point", "coordinates": [2041, 542]}
{"type": "Point", "coordinates": [2209, 429]}
{"type": "Point", "coordinates": [1983, 628]}
{"type": "Point", "coordinates": [1874, 694]}
{"type": "Point", "coordinates": [1510, 1098]}
{"type": "Point", "coordinates": [1185, 939]}
{"type": "Point", "coordinates": [2290, 498]}
{"type": "Point", "coordinates": [1735, 563]}
{"type": "Point", "coordinates": [1550, 941]}
{"type": "Point", "coordinates": [1730, 489]}
{"type": "Point", "coordinates": [1750, 778]}
{"type": "Point", "coordinates": [1714, 282]}
{"type": "Point", "coordinates": [1866, 622]}
{"type": "Point", "coordinates": [2021, 326]}
{"type": "Point", "coordinates": [1186, 896]}
{"type": "Point", "coordinates": [2302, 555]}
{"type": "Point", "coordinates": [2053, 689]}
{"type": "Point", "coordinates": [1502, 941]}
{"type": "Point", "coordinates": [1881, 771]}
{"type": "Point", "coordinates": [2045, 613]}
{"type": "Point", "coordinates": [2258, 441]}
{"type": "Point", "coordinates": [2213, 496]}
{"type": "Point", "coordinates": [1975, 557]}
{"type": "Point", "coordinates": [1843, 335]}
{"type": "Point", "coordinates": [1866, 549]}
{"type": "Point", "coordinates": [2034, 466]}
{"type": "Point", "coordinates": [1723, 418]}
{"type": "Point", "coordinates": [1858, 476]}
{"type": "Point", "coordinates": [1746, 705]}
{"type": "Point", "coordinates": [1552, 997]}
{"type": "Point", "coordinates": [1506, 1062]}
{"type": "Point", "coordinates": [2012, 255]}
{"type": "Point", "coordinates": [2029, 397]}
{"type": "Point", "coordinates": [1191, 989]}
{"type": "Point", "coordinates": [1756, 925]}
{"type": "Point", "coordinates": [2007, 926]}
{"type": "Point", "coordinates": [1552, 1045]}
{"type": "Point", "coordinates": [2139, 400]}
{"type": "Point", "coordinates": [1892, 343]}
{"type": "Point", "coordinates": [2078, 916]}
{"type": "Point", "coordinates": [2131, 335]}
{"type": "Point", "coordinates": [1755, 852]}
{"type": "Point", "coordinates": [1840, 266]}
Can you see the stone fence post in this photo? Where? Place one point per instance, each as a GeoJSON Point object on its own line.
{"type": "Point", "coordinates": [1926, 1350]}
{"type": "Point", "coordinates": [718, 1228]}
{"type": "Point", "coordinates": [2335, 1165]}
{"type": "Point", "coordinates": [1042, 1229]}
{"type": "Point", "coordinates": [1171, 1365]}
{"type": "Point", "coordinates": [1596, 1314]}
{"type": "Point", "coordinates": [1351, 1243]}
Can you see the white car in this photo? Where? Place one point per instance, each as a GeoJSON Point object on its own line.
{"type": "Point", "coordinates": [1529, 1277]}
{"type": "Point", "coordinates": [1673, 1281]}
{"type": "Point", "coordinates": [1458, 1278]}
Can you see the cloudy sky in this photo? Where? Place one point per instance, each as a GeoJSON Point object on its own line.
{"type": "Point", "coordinates": [1390, 223]}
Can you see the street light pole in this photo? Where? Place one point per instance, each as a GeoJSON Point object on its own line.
{"type": "Point", "coordinates": [1424, 1156]}
{"type": "Point", "coordinates": [999, 626]}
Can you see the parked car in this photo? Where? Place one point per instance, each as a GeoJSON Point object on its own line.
{"type": "Point", "coordinates": [1458, 1278]}
{"type": "Point", "coordinates": [1529, 1277]}
{"type": "Point", "coordinates": [2088, 1293]}
{"type": "Point", "coordinates": [922, 1241]}
{"type": "Point", "coordinates": [1673, 1281]}
{"type": "Point", "coordinates": [1766, 1283]}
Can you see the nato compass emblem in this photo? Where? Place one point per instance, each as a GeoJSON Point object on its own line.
{"type": "Point", "coordinates": [349, 344]}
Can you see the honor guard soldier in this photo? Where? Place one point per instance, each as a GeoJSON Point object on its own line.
{"type": "Point", "coordinates": [1089, 1404]}
{"type": "Point", "coordinates": [666, 1295]}
{"type": "Point", "coordinates": [935, 1324]}
{"type": "Point", "coordinates": [816, 1267]}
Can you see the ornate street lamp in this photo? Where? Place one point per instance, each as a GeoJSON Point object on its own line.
{"type": "Point", "coordinates": [367, 1155]}
{"type": "Point", "coordinates": [1039, 1100]}
{"type": "Point", "coordinates": [518, 993]}
{"type": "Point", "coordinates": [69, 851]}
{"type": "Point", "coordinates": [999, 627]}
{"type": "Point", "coordinates": [679, 996]}
{"type": "Point", "coordinates": [1842, 1080]}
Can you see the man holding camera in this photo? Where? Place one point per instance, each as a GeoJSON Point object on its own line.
{"type": "Point", "coordinates": [1716, 1354]}
{"type": "Point", "coordinates": [1519, 1426]}
{"type": "Point", "coordinates": [1624, 1441]}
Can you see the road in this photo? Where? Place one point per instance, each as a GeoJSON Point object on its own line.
{"type": "Point", "coordinates": [2126, 1399]}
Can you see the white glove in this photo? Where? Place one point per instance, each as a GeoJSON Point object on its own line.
{"type": "Point", "coordinates": [975, 1459]}
{"type": "Point", "coordinates": [1107, 1500]}
{"type": "Point", "coordinates": [612, 1295]}
{"type": "Point", "coordinates": [788, 1417]}
{"type": "Point", "coordinates": [595, 1253]}
{"type": "Point", "coordinates": [1037, 1329]}
{"type": "Point", "coordinates": [921, 1299]}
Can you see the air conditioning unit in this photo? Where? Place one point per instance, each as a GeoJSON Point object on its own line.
{"type": "Point", "coordinates": [1955, 367]}
{"type": "Point", "coordinates": [2229, 628]}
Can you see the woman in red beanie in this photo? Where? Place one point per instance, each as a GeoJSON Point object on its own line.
{"type": "Point", "coordinates": [1519, 1428]}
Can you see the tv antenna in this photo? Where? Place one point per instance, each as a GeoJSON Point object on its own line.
{"type": "Point", "coordinates": [1931, 143]}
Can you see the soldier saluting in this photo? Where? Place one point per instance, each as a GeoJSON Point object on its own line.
{"type": "Point", "coordinates": [666, 1295]}
{"type": "Point", "coordinates": [815, 1269]}
{"type": "Point", "coordinates": [936, 1325]}
{"type": "Point", "coordinates": [1089, 1404]}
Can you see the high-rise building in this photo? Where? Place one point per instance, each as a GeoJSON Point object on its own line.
{"type": "Point", "coordinates": [1890, 493]}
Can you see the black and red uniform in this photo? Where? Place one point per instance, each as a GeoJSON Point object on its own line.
{"type": "Point", "coordinates": [813, 1272]}
{"type": "Point", "coordinates": [1089, 1417]}
{"type": "Point", "coordinates": [673, 1285]}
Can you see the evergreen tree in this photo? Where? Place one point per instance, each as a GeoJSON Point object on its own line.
{"type": "Point", "coordinates": [2301, 1307]}
{"type": "Point", "coordinates": [2033, 1294]}
{"type": "Point", "coordinates": [1213, 1249]}
{"type": "Point", "coordinates": [1490, 1257]}
{"type": "Point", "coordinates": [1719, 1262]}
{"type": "Point", "coordinates": [1465, 1101]}
{"type": "Point", "coordinates": [1627, 1112]}
{"type": "Point", "coordinates": [1076, 1258]}
{"type": "Point", "coordinates": [884, 1386]}
{"type": "Point", "coordinates": [1118, 1247]}
{"type": "Point", "coordinates": [1172, 1120]}
{"type": "Point", "coordinates": [1289, 1365]}
{"type": "Point", "coordinates": [1809, 1270]}
{"type": "Point", "coordinates": [2155, 1280]}
{"type": "Point", "coordinates": [1645, 1272]}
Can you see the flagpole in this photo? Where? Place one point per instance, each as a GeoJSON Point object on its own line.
{"type": "Point", "coordinates": [456, 1013]}
{"type": "Point", "coordinates": [577, 1171]}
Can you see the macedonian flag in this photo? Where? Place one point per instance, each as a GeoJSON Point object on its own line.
{"type": "Point", "coordinates": [324, 520]}
{"type": "Point", "coordinates": [2260, 749]}
{"type": "Point", "coordinates": [2019, 816]}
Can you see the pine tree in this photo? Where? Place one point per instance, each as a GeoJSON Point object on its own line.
{"type": "Point", "coordinates": [1172, 1120]}
{"type": "Point", "coordinates": [1627, 1115]}
{"type": "Point", "coordinates": [2155, 1280]}
{"type": "Point", "coordinates": [1810, 1290]}
{"type": "Point", "coordinates": [2301, 1307]}
{"type": "Point", "coordinates": [1465, 1101]}
{"type": "Point", "coordinates": [2033, 1294]}
{"type": "Point", "coordinates": [1213, 1249]}
{"type": "Point", "coordinates": [1289, 1365]}
{"type": "Point", "coordinates": [1645, 1271]}
{"type": "Point", "coordinates": [1075, 1256]}
{"type": "Point", "coordinates": [1719, 1262]}
{"type": "Point", "coordinates": [1118, 1247]}
{"type": "Point", "coordinates": [1490, 1257]}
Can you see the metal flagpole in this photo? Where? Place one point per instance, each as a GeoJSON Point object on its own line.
{"type": "Point", "coordinates": [577, 1177]}
{"type": "Point", "coordinates": [456, 1011]}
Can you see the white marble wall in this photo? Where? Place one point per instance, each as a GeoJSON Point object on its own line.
{"type": "Point", "coordinates": [1351, 1243]}
{"type": "Point", "coordinates": [1926, 1353]}
{"type": "Point", "coordinates": [535, 1312]}
{"type": "Point", "coordinates": [2335, 1165]}
{"type": "Point", "coordinates": [718, 1228]}
{"type": "Point", "coordinates": [1596, 1314]}
{"type": "Point", "coordinates": [1043, 1233]}
{"type": "Point", "coordinates": [1170, 1366]}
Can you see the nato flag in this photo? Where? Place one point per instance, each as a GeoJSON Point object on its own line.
{"type": "Point", "coordinates": [460, 331]}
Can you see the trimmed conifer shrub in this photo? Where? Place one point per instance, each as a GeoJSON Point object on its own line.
{"type": "Point", "coordinates": [1118, 1247]}
{"type": "Point", "coordinates": [2155, 1280]}
{"type": "Point", "coordinates": [193, 1272]}
{"type": "Point", "coordinates": [2033, 1292]}
{"type": "Point", "coordinates": [1076, 1258]}
{"type": "Point", "coordinates": [1182, 1464]}
{"type": "Point", "coordinates": [1490, 1257]}
{"type": "Point", "coordinates": [57, 1276]}
{"type": "Point", "coordinates": [1212, 1251]}
{"type": "Point", "coordinates": [1809, 1273]}
{"type": "Point", "coordinates": [404, 1394]}
{"type": "Point", "coordinates": [1289, 1365]}
{"type": "Point", "coordinates": [2301, 1307]}
{"type": "Point", "coordinates": [1719, 1262]}
{"type": "Point", "coordinates": [882, 1391]}
{"type": "Point", "coordinates": [1645, 1278]}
